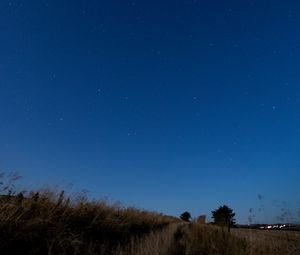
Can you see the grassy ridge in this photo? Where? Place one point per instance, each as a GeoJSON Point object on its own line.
{"type": "Point", "coordinates": [52, 223]}
{"type": "Point", "coordinates": [49, 223]}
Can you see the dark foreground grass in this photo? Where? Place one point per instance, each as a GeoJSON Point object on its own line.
{"type": "Point", "coordinates": [49, 223]}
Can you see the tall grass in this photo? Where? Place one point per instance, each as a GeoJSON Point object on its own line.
{"type": "Point", "coordinates": [206, 239]}
{"type": "Point", "coordinates": [51, 223]}
{"type": "Point", "coordinates": [200, 239]}
{"type": "Point", "coordinates": [261, 242]}
{"type": "Point", "coordinates": [156, 243]}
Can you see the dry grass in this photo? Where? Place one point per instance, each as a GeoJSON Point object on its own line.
{"type": "Point", "coordinates": [200, 239]}
{"type": "Point", "coordinates": [203, 239]}
{"type": "Point", "coordinates": [275, 242]}
{"type": "Point", "coordinates": [50, 223]}
{"type": "Point", "coordinates": [156, 243]}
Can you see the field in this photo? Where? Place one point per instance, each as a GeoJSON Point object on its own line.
{"type": "Point", "coordinates": [49, 222]}
{"type": "Point", "coordinates": [270, 241]}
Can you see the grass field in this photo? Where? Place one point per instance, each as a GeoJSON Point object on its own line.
{"type": "Point", "coordinates": [48, 222]}
{"type": "Point", "coordinates": [270, 241]}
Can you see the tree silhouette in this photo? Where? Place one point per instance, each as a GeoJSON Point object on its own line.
{"type": "Point", "coordinates": [186, 216]}
{"type": "Point", "coordinates": [224, 216]}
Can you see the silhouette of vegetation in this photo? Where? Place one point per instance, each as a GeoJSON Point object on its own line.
{"type": "Point", "coordinates": [186, 216]}
{"type": "Point", "coordinates": [49, 222]}
{"type": "Point", "coordinates": [53, 223]}
{"type": "Point", "coordinates": [224, 217]}
{"type": "Point", "coordinates": [44, 221]}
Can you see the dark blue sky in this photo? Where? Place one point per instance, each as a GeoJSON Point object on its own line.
{"type": "Point", "coordinates": [164, 105]}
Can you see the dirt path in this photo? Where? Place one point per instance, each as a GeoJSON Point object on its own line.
{"type": "Point", "coordinates": [165, 242]}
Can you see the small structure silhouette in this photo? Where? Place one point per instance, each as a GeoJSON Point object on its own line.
{"type": "Point", "coordinates": [201, 219]}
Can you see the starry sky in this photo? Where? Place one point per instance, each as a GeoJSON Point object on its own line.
{"type": "Point", "coordinates": [164, 105]}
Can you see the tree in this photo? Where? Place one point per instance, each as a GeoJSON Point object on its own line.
{"type": "Point", "coordinates": [186, 216]}
{"type": "Point", "coordinates": [224, 216]}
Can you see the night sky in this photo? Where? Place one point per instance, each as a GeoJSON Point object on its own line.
{"type": "Point", "coordinates": [164, 105]}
